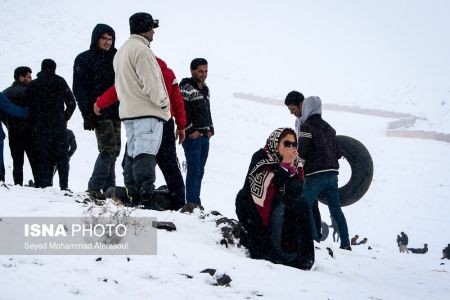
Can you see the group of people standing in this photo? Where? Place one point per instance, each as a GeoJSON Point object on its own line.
{"type": "Point", "coordinates": [277, 205]}
{"type": "Point", "coordinates": [38, 127]}
{"type": "Point", "coordinates": [150, 98]}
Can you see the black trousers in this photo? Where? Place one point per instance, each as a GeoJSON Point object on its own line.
{"type": "Point", "coordinates": [20, 142]}
{"type": "Point", "coordinates": [51, 146]}
{"type": "Point", "coordinates": [167, 160]}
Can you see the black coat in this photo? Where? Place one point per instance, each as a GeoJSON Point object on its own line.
{"type": "Point", "coordinates": [93, 74]}
{"type": "Point", "coordinates": [51, 102]}
{"type": "Point", "coordinates": [317, 145]}
{"type": "Point", "coordinates": [17, 94]}
{"type": "Point", "coordinates": [404, 239]}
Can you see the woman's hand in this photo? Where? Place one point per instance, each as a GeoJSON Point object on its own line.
{"type": "Point", "coordinates": [289, 155]}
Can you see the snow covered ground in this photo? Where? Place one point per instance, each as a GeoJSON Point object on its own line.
{"type": "Point", "coordinates": [369, 55]}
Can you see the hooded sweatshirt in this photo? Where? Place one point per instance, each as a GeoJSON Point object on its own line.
{"type": "Point", "coordinates": [93, 74]}
{"type": "Point", "coordinates": [317, 139]}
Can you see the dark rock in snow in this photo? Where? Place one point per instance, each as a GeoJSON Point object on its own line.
{"type": "Point", "coordinates": [209, 271]}
{"type": "Point", "coordinates": [232, 231]}
{"type": "Point", "coordinates": [169, 226]}
{"type": "Point", "coordinates": [330, 252]}
{"type": "Point", "coordinates": [99, 259]}
{"type": "Point", "coordinates": [223, 280]}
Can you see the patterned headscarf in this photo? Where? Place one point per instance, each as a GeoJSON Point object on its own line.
{"type": "Point", "coordinates": [262, 173]}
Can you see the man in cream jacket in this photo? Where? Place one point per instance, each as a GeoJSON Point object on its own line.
{"type": "Point", "coordinates": [144, 106]}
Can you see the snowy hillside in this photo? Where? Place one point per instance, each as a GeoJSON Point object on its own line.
{"type": "Point", "coordinates": [370, 55]}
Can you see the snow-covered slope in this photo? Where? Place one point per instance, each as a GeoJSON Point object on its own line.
{"type": "Point", "coordinates": [348, 53]}
{"type": "Point", "coordinates": [379, 273]}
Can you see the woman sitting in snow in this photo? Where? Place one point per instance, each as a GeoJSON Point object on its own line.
{"type": "Point", "coordinates": [269, 206]}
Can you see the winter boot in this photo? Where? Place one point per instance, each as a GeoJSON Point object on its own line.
{"type": "Point", "coordinates": [135, 198]}
{"type": "Point", "coordinates": [95, 194]}
{"type": "Point", "coordinates": [144, 174]}
{"type": "Point", "coordinates": [149, 202]}
{"type": "Point", "coordinates": [346, 247]}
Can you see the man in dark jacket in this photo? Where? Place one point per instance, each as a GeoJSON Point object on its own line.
{"type": "Point", "coordinates": [8, 108]}
{"type": "Point", "coordinates": [19, 129]}
{"type": "Point", "coordinates": [51, 106]}
{"type": "Point", "coordinates": [403, 242]}
{"type": "Point", "coordinates": [199, 127]}
{"type": "Point", "coordinates": [318, 148]}
{"type": "Point", "coordinates": [446, 252]}
{"type": "Point", "coordinates": [93, 74]}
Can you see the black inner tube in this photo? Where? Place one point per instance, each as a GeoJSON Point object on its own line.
{"type": "Point", "coordinates": [361, 165]}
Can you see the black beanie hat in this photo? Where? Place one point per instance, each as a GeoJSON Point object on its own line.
{"type": "Point", "coordinates": [48, 65]}
{"type": "Point", "coordinates": [142, 22]}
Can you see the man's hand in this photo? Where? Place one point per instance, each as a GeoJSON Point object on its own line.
{"type": "Point", "coordinates": [210, 134]}
{"type": "Point", "coordinates": [180, 135]}
{"type": "Point", "coordinates": [89, 122]}
{"type": "Point", "coordinates": [96, 109]}
{"type": "Point", "coordinates": [195, 135]}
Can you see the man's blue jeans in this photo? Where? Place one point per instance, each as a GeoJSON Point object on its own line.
{"type": "Point", "coordinates": [196, 153]}
{"type": "Point", "coordinates": [326, 184]}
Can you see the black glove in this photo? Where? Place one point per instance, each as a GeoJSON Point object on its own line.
{"type": "Point", "coordinates": [90, 122]}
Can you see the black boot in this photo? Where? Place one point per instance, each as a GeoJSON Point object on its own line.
{"type": "Point", "coordinates": [144, 173]}
{"type": "Point", "coordinates": [132, 191]}
{"type": "Point", "coordinates": [149, 202]}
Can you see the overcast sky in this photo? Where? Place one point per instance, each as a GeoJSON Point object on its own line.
{"type": "Point", "coordinates": [316, 46]}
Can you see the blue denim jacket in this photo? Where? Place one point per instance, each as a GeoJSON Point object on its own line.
{"type": "Point", "coordinates": [10, 109]}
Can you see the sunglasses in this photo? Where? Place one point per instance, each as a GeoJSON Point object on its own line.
{"type": "Point", "coordinates": [288, 144]}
